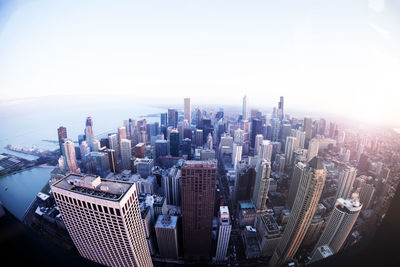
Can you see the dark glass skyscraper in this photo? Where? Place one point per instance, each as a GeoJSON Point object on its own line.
{"type": "Point", "coordinates": [198, 196]}
{"type": "Point", "coordinates": [256, 128]}
{"type": "Point", "coordinates": [174, 143]}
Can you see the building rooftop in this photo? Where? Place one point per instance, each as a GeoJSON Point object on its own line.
{"type": "Point", "coordinates": [350, 205]}
{"type": "Point", "coordinates": [94, 186]}
{"type": "Point", "coordinates": [166, 221]}
{"type": "Point", "coordinates": [325, 251]}
{"type": "Point", "coordinates": [246, 205]}
{"type": "Point", "coordinates": [200, 164]}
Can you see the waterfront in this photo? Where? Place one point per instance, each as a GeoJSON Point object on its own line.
{"type": "Point", "coordinates": [22, 188]}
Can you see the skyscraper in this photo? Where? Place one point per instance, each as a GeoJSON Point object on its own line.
{"type": "Point", "coordinates": [244, 184]}
{"type": "Point", "coordinates": [198, 183]}
{"type": "Point", "coordinates": [261, 185]}
{"type": "Point", "coordinates": [163, 119]}
{"type": "Point", "coordinates": [265, 150]}
{"type": "Point", "coordinates": [345, 183]}
{"type": "Point", "coordinates": [167, 236]}
{"type": "Point", "coordinates": [224, 233]}
{"type": "Point", "coordinates": [103, 219]}
{"type": "Point", "coordinates": [113, 143]}
{"type": "Point", "coordinates": [366, 195]}
{"type": "Point", "coordinates": [70, 157]}
{"type": "Point", "coordinates": [174, 143]}
{"type": "Point", "coordinates": [89, 131]}
{"type": "Point", "coordinates": [245, 112]}
{"type": "Point", "coordinates": [307, 128]}
{"type": "Point", "coordinates": [280, 108]}
{"type": "Point", "coordinates": [259, 139]}
{"type": "Point", "coordinates": [236, 155]}
{"type": "Point", "coordinates": [256, 128]}
{"type": "Point", "coordinates": [161, 148]}
{"type": "Point", "coordinates": [126, 153]}
{"type": "Point", "coordinates": [307, 197]}
{"type": "Point", "coordinates": [122, 133]}
{"type": "Point", "coordinates": [340, 223]}
{"type": "Point", "coordinates": [188, 110]}
{"type": "Point", "coordinates": [172, 118]}
{"type": "Point", "coordinates": [62, 135]}
{"type": "Point", "coordinates": [297, 173]}
{"type": "Point", "coordinates": [289, 148]}
{"type": "Point", "coordinates": [313, 147]}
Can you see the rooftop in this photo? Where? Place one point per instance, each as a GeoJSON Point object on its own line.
{"type": "Point", "coordinates": [94, 186]}
{"type": "Point", "coordinates": [166, 221]}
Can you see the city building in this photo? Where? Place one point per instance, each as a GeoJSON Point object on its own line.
{"type": "Point", "coordinates": [345, 183]}
{"type": "Point", "coordinates": [126, 153]}
{"type": "Point", "coordinates": [245, 112]}
{"type": "Point", "coordinates": [307, 197]}
{"type": "Point", "coordinates": [307, 128]}
{"type": "Point", "coordinates": [139, 150]}
{"type": "Point", "coordinates": [89, 131]}
{"type": "Point", "coordinates": [244, 184]}
{"type": "Point", "coordinates": [269, 233]}
{"type": "Point", "coordinates": [172, 118]}
{"type": "Point", "coordinates": [198, 182]}
{"type": "Point", "coordinates": [289, 149]}
{"type": "Point", "coordinates": [167, 236]}
{"type": "Point", "coordinates": [340, 223]}
{"type": "Point", "coordinates": [224, 233]}
{"type": "Point", "coordinates": [174, 143]}
{"type": "Point", "coordinates": [103, 219]}
{"type": "Point", "coordinates": [261, 185]}
{"type": "Point", "coordinates": [144, 166]}
{"type": "Point", "coordinates": [188, 111]}
{"type": "Point", "coordinates": [312, 150]}
{"type": "Point", "coordinates": [320, 253]}
{"type": "Point", "coordinates": [297, 174]}
{"type": "Point", "coordinates": [62, 135]}
{"type": "Point", "coordinates": [69, 149]}
{"type": "Point", "coordinates": [256, 128]}
{"type": "Point", "coordinates": [367, 193]}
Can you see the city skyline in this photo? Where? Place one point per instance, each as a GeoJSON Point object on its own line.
{"type": "Point", "coordinates": [305, 56]}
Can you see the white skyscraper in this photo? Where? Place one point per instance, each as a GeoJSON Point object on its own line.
{"type": "Point", "coordinates": [340, 223]}
{"type": "Point", "coordinates": [245, 113]}
{"type": "Point", "coordinates": [103, 219]}
{"type": "Point", "coordinates": [297, 173]}
{"type": "Point", "coordinates": [224, 233]}
{"type": "Point", "coordinates": [313, 147]}
{"type": "Point", "coordinates": [265, 151]}
{"type": "Point", "coordinates": [113, 143]}
{"type": "Point", "coordinates": [307, 197]}
{"type": "Point", "coordinates": [345, 182]}
{"type": "Point", "coordinates": [89, 131]}
{"type": "Point", "coordinates": [289, 148]}
{"type": "Point", "coordinates": [236, 155]}
{"type": "Point", "coordinates": [261, 185]}
{"type": "Point", "coordinates": [188, 110]}
{"type": "Point", "coordinates": [70, 157]}
{"type": "Point", "coordinates": [126, 153]}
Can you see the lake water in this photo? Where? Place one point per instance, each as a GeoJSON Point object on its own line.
{"type": "Point", "coordinates": [28, 122]}
{"type": "Point", "coordinates": [22, 188]}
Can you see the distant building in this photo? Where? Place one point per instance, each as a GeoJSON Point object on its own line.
{"type": "Point", "coordinates": [70, 157]}
{"type": "Point", "coordinates": [139, 150]}
{"type": "Point", "coordinates": [62, 135]}
{"type": "Point", "coordinates": [174, 143]}
{"type": "Point", "coordinates": [188, 110]}
{"type": "Point", "coordinates": [89, 131]}
{"type": "Point", "coordinates": [261, 185]}
{"type": "Point", "coordinates": [103, 219]}
{"type": "Point", "coordinates": [312, 150]}
{"type": "Point", "coordinates": [126, 153]}
{"type": "Point", "coordinates": [246, 213]}
{"type": "Point", "coordinates": [298, 172]}
{"type": "Point", "coordinates": [245, 112]}
{"type": "Point", "coordinates": [244, 184]}
{"type": "Point", "coordinates": [172, 118]}
{"type": "Point", "coordinates": [167, 236]}
{"type": "Point", "coordinates": [367, 193]}
{"type": "Point", "coordinates": [144, 167]}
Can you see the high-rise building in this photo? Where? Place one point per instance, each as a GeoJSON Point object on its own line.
{"type": "Point", "coordinates": [85, 150]}
{"type": "Point", "coordinates": [297, 173]}
{"type": "Point", "coordinates": [261, 185]}
{"type": "Point", "coordinates": [70, 157]}
{"type": "Point", "coordinates": [167, 236]}
{"type": "Point", "coordinates": [265, 150]}
{"type": "Point", "coordinates": [340, 223]}
{"type": "Point", "coordinates": [172, 118]}
{"type": "Point", "coordinates": [98, 163]}
{"type": "Point", "coordinates": [188, 110]}
{"type": "Point", "coordinates": [122, 133]}
{"type": "Point", "coordinates": [171, 185]}
{"type": "Point", "coordinates": [199, 137]}
{"type": "Point", "coordinates": [245, 112]}
{"type": "Point", "coordinates": [161, 148]}
{"type": "Point", "coordinates": [236, 155]}
{"type": "Point", "coordinates": [307, 128]}
{"type": "Point", "coordinates": [269, 233]}
{"type": "Point", "coordinates": [307, 197]}
{"type": "Point", "coordinates": [174, 143]}
{"type": "Point", "coordinates": [89, 131]}
{"type": "Point", "coordinates": [198, 184]}
{"type": "Point", "coordinates": [321, 127]}
{"type": "Point", "coordinates": [224, 233]}
{"type": "Point", "coordinates": [244, 184]}
{"type": "Point", "coordinates": [332, 129]}
{"type": "Point", "coordinates": [275, 127]}
{"type": "Point", "coordinates": [112, 157]}
{"type": "Point", "coordinates": [238, 136]}
{"type": "Point", "coordinates": [314, 231]}
{"type": "Point", "coordinates": [366, 195]}
{"type": "Point", "coordinates": [345, 183]}
{"type": "Point", "coordinates": [113, 143]}
{"type": "Point", "coordinates": [259, 139]}
{"type": "Point", "coordinates": [103, 219]}
{"type": "Point", "coordinates": [126, 153]}
{"type": "Point", "coordinates": [163, 119]}
{"type": "Point", "coordinates": [289, 149]}
{"type": "Point", "coordinates": [256, 128]}
{"type": "Point", "coordinates": [62, 135]}
{"type": "Point", "coordinates": [280, 108]}
{"type": "Point", "coordinates": [312, 150]}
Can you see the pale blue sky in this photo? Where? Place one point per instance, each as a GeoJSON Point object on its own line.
{"type": "Point", "coordinates": [334, 56]}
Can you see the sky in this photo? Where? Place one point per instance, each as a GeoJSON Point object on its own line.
{"type": "Point", "coordinates": [339, 57]}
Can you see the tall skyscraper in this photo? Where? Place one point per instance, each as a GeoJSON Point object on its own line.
{"type": "Point", "coordinates": [62, 135]}
{"type": "Point", "coordinates": [174, 143]}
{"type": "Point", "coordinates": [172, 118]}
{"type": "Point", "coordinates": [198, 184]}
{"type": "Point", "coordinates": [89, 131]}
{"type": "Point", "coordinates": [261, 185]}
{"type": "Point", "coordinates": [307, 128]}
{"type": "Point", "coordinates": [245, 112]}
{"type": "Point", "coordinates": [126, 153]}
{"type": "Point", "coordinates": [366, 195]}
{"type": "Point", "coordinates": [256, 128]}
{"type": "Point", "coordinates": [280, 108]}
{"type": "Point", "coordinates": [122, 133]}
{"type": "Point", "coordinates": [236, 155]}
{"type": "Point", "coordinates": [224, 233]}
{"type": "Point", "coordinates": [297, 173]}
{"type": "Point", "coordinates": [244, 184]}
{"type": "Point", "coordinates": [70, 157]}
{"type": "Point", "coordinates": [103, 219]}
{"type": "Point", "coordinates": [188, 110]}
{"type": "Point", "coordinates": [161, 148]}
{"type": "Point", "coordinates": [307, 197]}
{"type": "Point", "coordinates": [265, 150]}
{"type": "Point", "coordinates": [167, 236]}
{"type": "Point", "coordinates": [289, 149]}
{"type": "Point", "coordinates": [113, 143]}
{"type": "Point", "coordinates": [163, 119]}
{"type": "Point", "coordinates": [259, 139]}
{"type": "Point", "coordinates": [345, 183]}
{"type": "Point", "coordinates": [313, 147]}
{"type": "Point", "coordinates": [112, 157]}
{"type": "Point", "coordinates": [340, 223]}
